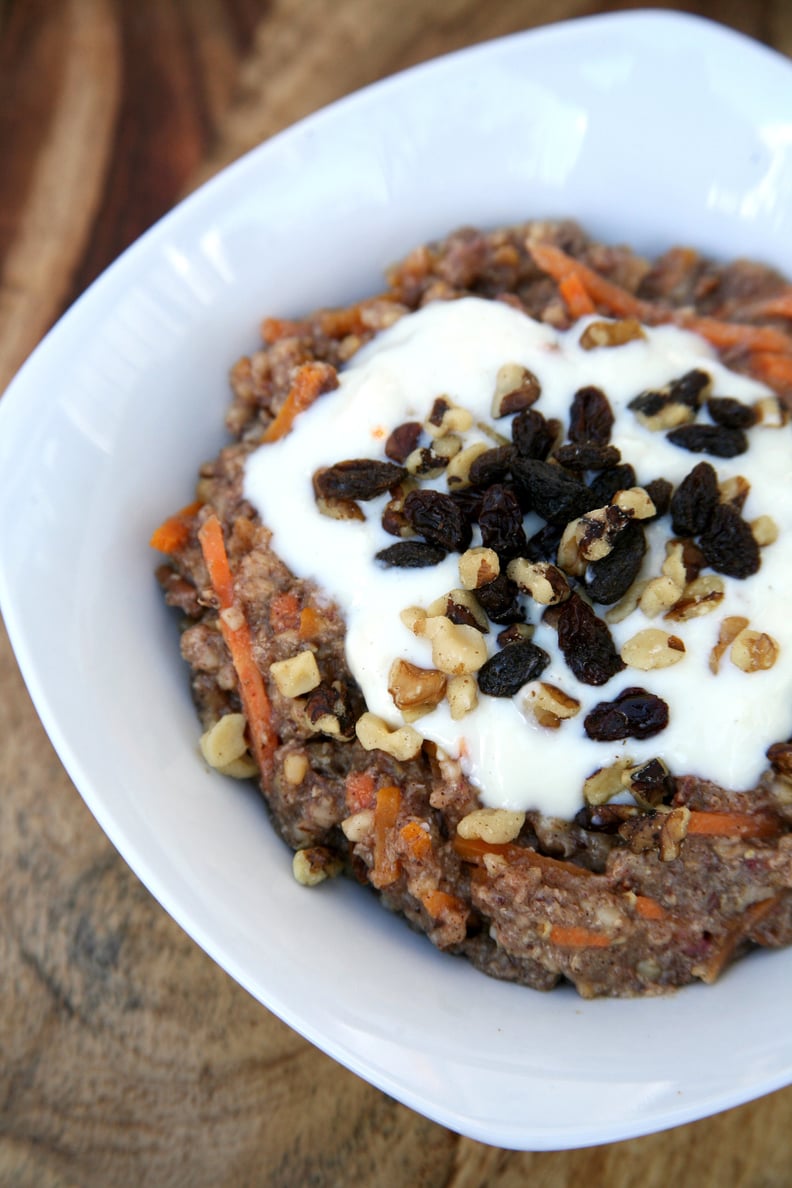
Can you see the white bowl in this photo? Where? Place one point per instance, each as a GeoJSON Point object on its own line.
{"type": "Point", "coordinates": [653, 129]}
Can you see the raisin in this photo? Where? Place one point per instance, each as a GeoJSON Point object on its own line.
{"type": "Point", "coordinates": [586, 643]}
{"type": "Point", "coordinates": [499, 600]}
{"type": "Point", "coordinates": [543, 545]}
{"type": "Point", "coordinates": [709, 439]}
{"type": "Point", "coordinates": [728, 544]}
{"type": "Point", "coordinates": [439, 519]}
{"type": "Point", "coordinates": [609, 579]}
{"type": "Point", "coordinates": [505, 673]}
{"type": "Point", "coordinates": [689, 388]}
{"type": "Point", "coordinates": [633, 714]}
{"type": "Point", "coordinates": [660, 492]}
{"type": "Point", "coordinates": [501, 522]}
{"type": "Point", "coordinates": [358, 478]}
{"type": "Point", "coordinates": [410, 554]}
{"type": "Point", "coordinates": [694, 501]}
{"type": "Point", "coordinates": [403, 440]}
{"type": "Point", "coordinates": [725, 410]}
{"type": "Point", "coordinates": [590, 417]}
{"type": "Point", "coordinates": [605, 485]}
{"type": "Point", "coordinates": [555, 495]}
{"type": "Point", "coordinates": [533, 436]}
{"type": "Point", "coordinates": [493, 466]}
{"type": "Point", "coordinates": [587, 456]}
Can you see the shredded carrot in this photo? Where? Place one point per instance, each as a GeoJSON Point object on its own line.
{"type": "Point", "coordinates": [575, 937]}
{"type": "Point", "coordinates": [437, 902]}
{"type": "Point", "coordinates": [417, 839]}
{"type": "Point", "coordinates": [649, 908]}
{"type": "Point", "coordinates": [560, 266]}
{"type": "Point", "coordinates": [772, 369]}
{"type": "Point", "coordinates": [310, 381]}
{"type": "Point", "coordinates": [474, 849]}
{"type": "Point", "coordinates": [386, 813]}
{"type": "Point", "coordinates": [732, 824]}
{"type": "Point", "coordinates": [618, 301]}
{"type": "Point", "coordinates": [729, 335]}
{"type": "Point", "coordinates": [736, 933]}
{"type": "Point", "coordinates": [310, 623]}
{"type": "Point", "coordinates": [284, 614]}
{"type": "Point", "coordinates": [236, 635]}
{"type": "Point", "coordinates": [779, 306]}
{"type": "Point", "coordinates": [359, 791]}
{"type": "Point", "coordinates": [576, 296]}
{"type": "Point", "coordinates": [173, 534]}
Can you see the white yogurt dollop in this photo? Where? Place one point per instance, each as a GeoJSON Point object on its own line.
{"type": "Point", "coordinates": [720, 725]}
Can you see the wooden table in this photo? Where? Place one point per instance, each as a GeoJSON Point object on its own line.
{"type": "Point", "coordinates": [128, 1057]}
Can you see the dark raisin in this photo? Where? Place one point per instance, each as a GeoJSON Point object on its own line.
{"type": "Point", "coordinates": [590, 417]}
{"type": "Point", "coordinates": [609, 579]}
{"type": "Point", "coordinates": [728, 544]}
{"type": "Point", "coordinates": [493, 466]}
{"type": "Point", "coordinates": [605, 485]}
{"type": "Point", "coordinates": [586, 643]}
{"type": "Point", "coordinates": [725, 410]}
{"type": "Point", "coordinates": [709, 439]}
{"type": "Point", "coordinates": [501, 522]}
{"type": "Point", "coordinates": [439, 519]}
{"type": "Point", "coordinates": [358, 478]}
{"type": "Point", "coordinates": [689, 389]}
{"type": "Point", "coordinates": [694, 501]}
{"type": "Point", "coordinates": [469, 503]}
{"type": "Point", "coordinates": [633, 714]}
{"type": "Point", "coordinates": [505, 673]}
{"type": "Point", "coordinates": [410, 554]}
{"type": "Point", "coordinates": [403, 440]}
{"type": "Point", "coordinates": [543, 545]}
{"type": "Point", "coordinates": [660, 492]}
{"type": "Point", "coordinates": [532, 435]}
{"type": "Point", "coordinates": [587, 456]}
{"type": "Point", "coordinates": [550, 491]}
{"type": "Point", "coordinates": [499, 599]}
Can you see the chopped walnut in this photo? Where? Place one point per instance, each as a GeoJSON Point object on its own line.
{"type": "Point", "coordinates": [516, 388]}
{"type": "Point", "coordinates": [375, 734]}
{"type": "Point", "coordinates": [658, 595]}
{"type": "Point", "coordinates": [458, 469]}
{"type": "Point", "coordinates": [550, 705]}
{"type": "Point", "coordinates": [611, 334]}
{"type": "Point", "coordinates": [700, 597]}
{"type": "Point", "coordinates": [544, 582]}
{"type": "Point", "coordinates": [297, 675]}
{"type": "Point", "coordinates": [462, 695]}
{"type": "Point", "coordinates": [477, 567]}
{"type": "Point", "coordinates": [447, 417]}
{"type": "Point", "coordinates": [764, 531]}
{"type": "Point", "coordinates": [415, 688]}
{"type": "Point", "coordinates": [652, 648]}
{"type": "Point", "coordinates": [496, 826]}
{"type": "Point", "coordinates": [730, 628]}
{"type": "Point", "coordinates": [456, 648]}
{"type": "Point", "coordinates": [313, 865]}
{"type": "Point", "coordinates": [606, 782]}
{"type": "Point", "coordinates": [754, 651]}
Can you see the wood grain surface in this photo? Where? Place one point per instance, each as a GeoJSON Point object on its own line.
{"type": "Point", "coordinates": [128, 1057]}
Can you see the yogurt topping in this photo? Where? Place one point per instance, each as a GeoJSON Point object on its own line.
{"type": "Point", "coordinates": [720, 725]}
